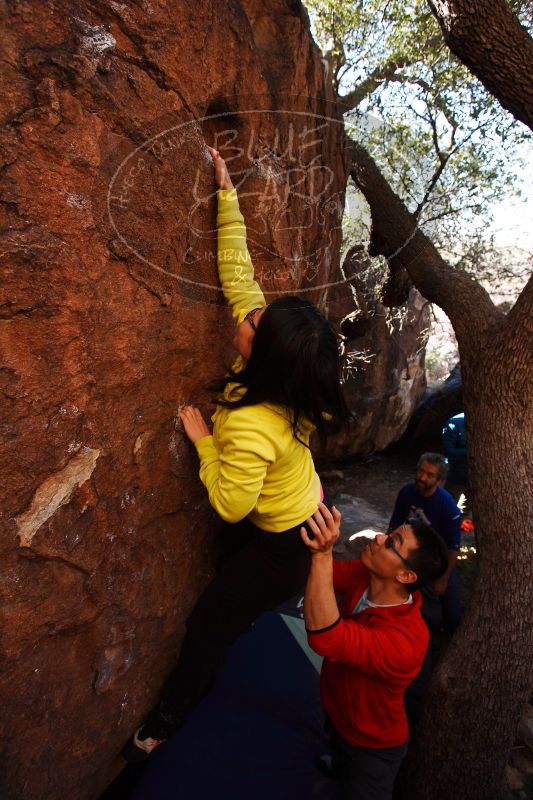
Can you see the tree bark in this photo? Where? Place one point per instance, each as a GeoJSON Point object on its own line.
{"type": "Point", "coordinates": [472, 711]}
{"type": "Point", "coordinates": [488, 38]}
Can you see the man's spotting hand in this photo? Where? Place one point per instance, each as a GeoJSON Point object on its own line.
{"type": "Point", "coordinates": [222, 178]}
{"type": "Point", "coordinates": [326, 527]}
{"type": "Point", "coordinates": [193, 423]}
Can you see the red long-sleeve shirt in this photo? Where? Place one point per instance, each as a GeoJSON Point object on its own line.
{"type": "Point", "coordinates": [369, 660]}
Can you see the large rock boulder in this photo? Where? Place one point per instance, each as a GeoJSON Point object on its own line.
{"type": "Point", "coordinates": [111, 318]}
{"type": "Point", "coordinates": [437, 405]}
{"type": "Point", "coordinates": [383, 355]}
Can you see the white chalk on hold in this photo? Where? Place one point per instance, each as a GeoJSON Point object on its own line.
{"type": "Point", "coordinates": [178, 424]}
{"type": "Point", "coordinates": [368, 533]}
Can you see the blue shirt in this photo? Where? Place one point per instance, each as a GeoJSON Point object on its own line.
{"type": "Point", "coordinates": [440, 509]}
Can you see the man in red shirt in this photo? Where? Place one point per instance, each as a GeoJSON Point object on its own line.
{"type": "Point", "coordinates": [373, 643]}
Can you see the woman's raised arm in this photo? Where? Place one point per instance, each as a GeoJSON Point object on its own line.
{"type": "Point", "coordinates": [222, 178]}
{"type": "Point", "coordinates": [235, 267]}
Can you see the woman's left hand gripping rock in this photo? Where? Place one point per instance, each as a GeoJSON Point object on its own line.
{"type": "Point", "coordinates": [193, 423]}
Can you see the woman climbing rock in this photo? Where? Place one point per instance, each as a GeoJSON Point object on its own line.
{"type": "Point", "coordinates": [256, 465]}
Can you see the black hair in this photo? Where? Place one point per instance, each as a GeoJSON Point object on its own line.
{"type": "Point", "coordinates": [437, 460]}
{"type": "Point", "coordinates": [430, 559]}
{"type": "Point", "coordinates": [294, 363]}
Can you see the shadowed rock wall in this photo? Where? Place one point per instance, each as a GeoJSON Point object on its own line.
{"type": "Point", "coordinates": [110, 317]}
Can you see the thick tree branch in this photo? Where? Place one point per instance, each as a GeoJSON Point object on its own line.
{"type": "Point", "coordinates": [385, 72]}
{"type": "Point", "coordinates": [395, 235]}
{"type": "Point", "coordinates": [491, 42]}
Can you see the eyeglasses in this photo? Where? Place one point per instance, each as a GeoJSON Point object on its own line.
{"type": "Point", "coordinates": [390, 545]}
{"type": "Point", "coordinates": [250, 318]}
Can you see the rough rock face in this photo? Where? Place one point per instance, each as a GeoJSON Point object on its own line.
{"type": "Point", "coordinates": [110, 317]}
{"type": "Point", "coordinates": [384, 357]}
{"type": "Point", "coordinates": [424, 431]}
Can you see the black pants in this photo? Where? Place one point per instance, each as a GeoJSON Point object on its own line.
{"type": "Point", "coordinates": [364, 773]}
{"type": "Point", "coordinates": [260, 570]}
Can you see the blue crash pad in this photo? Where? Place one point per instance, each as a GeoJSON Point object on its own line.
{"type": "Point", "coordinates": [255, 735]}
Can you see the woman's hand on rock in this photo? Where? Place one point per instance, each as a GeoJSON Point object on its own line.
{"type": "Point", "coordinates": [222, 178]}
{"type": "Point", "coordinates": [193, 423]}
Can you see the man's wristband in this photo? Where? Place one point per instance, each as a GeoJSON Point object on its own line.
{"type": "Point", "coordinates": [323, 630]}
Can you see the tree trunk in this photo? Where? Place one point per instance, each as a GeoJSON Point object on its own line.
{"type": "Point", "coordinates": [491, 42]}
{"type": "Point", "coordinates": [477, 693]}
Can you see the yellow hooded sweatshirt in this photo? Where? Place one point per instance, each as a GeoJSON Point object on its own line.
{"type": "Point", "coordinates": [252, 466]}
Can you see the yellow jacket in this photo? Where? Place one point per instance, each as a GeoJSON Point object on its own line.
{"type": "Point", "coordinates": [252, 466]}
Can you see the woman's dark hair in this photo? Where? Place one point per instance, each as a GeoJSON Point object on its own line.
{"type": "Point", "coordinates": [430, 558]}
{"type": "Point", "coordinates": [294, 363]}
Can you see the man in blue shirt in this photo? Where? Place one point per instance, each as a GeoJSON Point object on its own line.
{"type": "Point", "coordinates": [426, 499]}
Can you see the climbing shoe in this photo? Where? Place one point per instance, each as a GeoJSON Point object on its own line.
{"type": "Point", "coordinates": [139, 749]}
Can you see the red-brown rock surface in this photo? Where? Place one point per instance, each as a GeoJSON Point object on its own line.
{"type": "Point", "coordinates": [110, 318]}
